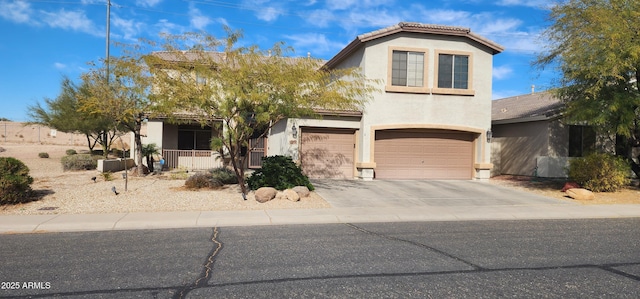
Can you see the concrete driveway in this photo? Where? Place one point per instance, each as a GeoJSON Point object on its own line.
{"type": "Point", "coordinates": [406, 193]}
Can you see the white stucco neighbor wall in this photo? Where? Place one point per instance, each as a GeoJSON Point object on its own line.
{"type": "Point", "coordinates": [154, 133]}
{"type": "Point", "coordinates": [470, 113]}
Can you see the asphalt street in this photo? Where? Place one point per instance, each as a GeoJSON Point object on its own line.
{"type": "Point", "coordinates": [472, 259]}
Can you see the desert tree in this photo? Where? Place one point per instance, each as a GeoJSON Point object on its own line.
{"type": "Point", "coordinates": [64, 115]}
{"type": "Point", "coordinates": [595, 44]}
{"type": "Point", "coordinates": [121, 90]}
{"type": "Point", "coordinates": [247, 89]}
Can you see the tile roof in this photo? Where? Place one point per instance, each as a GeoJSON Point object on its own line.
{"type": "Point", "coordinates": [529, 106]}
{"type": "Point", "coordinates": [416, 28]}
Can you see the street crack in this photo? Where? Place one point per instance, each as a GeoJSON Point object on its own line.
{"type": "Point", "coordinates": [204, 276]}
{"type": "Point", "coordinates": [438, 251]}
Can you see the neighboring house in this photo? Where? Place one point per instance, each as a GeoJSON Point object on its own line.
{"type": "Point", "coordinates": [429, 119]}
{"type": "Point", "coordinates": [529, 137]}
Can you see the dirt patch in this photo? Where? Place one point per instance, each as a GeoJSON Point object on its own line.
{"type": "Point", "coordinates": [553, 188]}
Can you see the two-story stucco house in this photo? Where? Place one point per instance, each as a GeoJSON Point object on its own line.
{"type": "Point", "coordinates": [429, 119]}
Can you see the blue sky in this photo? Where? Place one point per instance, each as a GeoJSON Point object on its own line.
{"type": "Point", "coordinates": [43, 40]}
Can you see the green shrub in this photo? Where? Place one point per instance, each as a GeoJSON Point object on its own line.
{"type": "Point", "coordinates": [599, 172]}
{"type": "Point", "coordinates": [203, 180]}
{"type": "Point", "coordinates": [71, 152]}
{"type": "Point", "coordinates": [43, 155]}
{"type": "Point", "coordinates": [15, 182]}
{"type": "Point", "coordinates": [180, 173]}
{"type": "Point", "coordinates": [225, 175]}
{"type": "Point", "coordinates": [279, 172]}
{"type": "Point", "coordinates": [107, 176]}
{"type": "Point", "coordinates": [80, 162]}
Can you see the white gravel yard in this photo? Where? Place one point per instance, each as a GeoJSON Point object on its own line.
{"type": "Point", "coordinates": [73, 192]}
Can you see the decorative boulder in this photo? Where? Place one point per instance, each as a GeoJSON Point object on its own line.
{"type": "Point", "coordinates": [291, 195]}
{"type": "Point", "coordinates": [280, 195]}
{"type": "Point", "coordinates": [580, 194]}
{"type": "Point", "coordinates": [265, 194]}
{"type": "Point", "coordinates": [302, 191]}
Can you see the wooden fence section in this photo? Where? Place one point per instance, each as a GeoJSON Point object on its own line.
{"type": "Point", "coordinates": [191, 159]}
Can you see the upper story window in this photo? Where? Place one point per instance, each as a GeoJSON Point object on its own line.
{"type": "Point", "coordinates": [453, 71]}
{"type": "Point", "coordinates": [406, 70]}
{"type": "Point", "coordinates": [453, 75]}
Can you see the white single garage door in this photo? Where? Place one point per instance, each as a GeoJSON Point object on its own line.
{"type": "Point", "coordinates": [423, 154]}
{"type": "Point", "coordinates": [327, 152]}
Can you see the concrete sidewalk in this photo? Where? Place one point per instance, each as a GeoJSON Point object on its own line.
{"type": "Point", "coordinates": [131, 221]}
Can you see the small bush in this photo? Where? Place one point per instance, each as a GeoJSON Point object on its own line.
{"type": "Point", "coordinates": [43, 155]}
{"type": "Point", "coordinates": [203, 180]}
{"type": "Point", "coordinates": [179, 174]}
{"type": "Point", "coordinates": [80, 162]}
{"type": "Point", "coordinates": [15, 182]}
{"type": "Point", "coordinates": [600, 172]}
{"type": "Point", "coordinates": [71, 152]}
{"type": "Point", "coordinates": [225, 175]}
{"type": "Point", "coordinates": [107, 176]}
{"type": "Point", "coordinates": [279, 172]}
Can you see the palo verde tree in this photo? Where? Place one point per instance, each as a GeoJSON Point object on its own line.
{"type": "Point", "coordinates": [248, 89]}
{"type": "Point", "coordinates": [123, 96]}
{"type": "Point", "coordinates": [596, 46]}
{"type": "Point", "coordinates": [63, 114]}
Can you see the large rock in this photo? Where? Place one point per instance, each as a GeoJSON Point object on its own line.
{"type": "Point", "coordinates": [291, 195]}
{"type": "Point", "coordinates": [303, 191]}
{"type": "Point", "coordinates": [580, 194]}
{"type": "Point", "coordinates": [265, 194]}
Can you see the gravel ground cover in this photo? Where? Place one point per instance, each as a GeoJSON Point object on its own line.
{"type": "Point", "coordinates": [73, 192]}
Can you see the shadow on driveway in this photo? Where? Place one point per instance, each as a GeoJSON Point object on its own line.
{"type": "Point", "coordinates": [409, 193]}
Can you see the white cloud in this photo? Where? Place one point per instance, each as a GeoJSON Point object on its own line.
{"type": "Point", "coordinates": [378, 19]}
{"type": "Point", "coordinates": [222, 21]}
{"type": "Point", "coordinates": [316, 44]}
{"type": "Point", "coordinates": [60, 66]}
{"type": "Point", "coordinates": [197, 19]}
{"type": "Point", "coordinates": [264, 9]}
{"type": "Point", "coordinates": [499, 26]}
{"type": "Point", "coordinates": [126, 29]}
{"type": "Point", "coordinates": [501, 72]}
{"type": "Point", "coordinates": [340, 4]}
{"type": "Point", "coordinates": [346, 4]}
{"type": "Point", "coordinates": [540, 4]}
{"type": "Point", "coordinates": [71, 20]}
{"type": "Point", "coordinates": [269, 13]}
{"type": "Point", "coordinates": [320, 18]}
{"type": "Point", "coordinates": [147, 3]}
{"type": "Point", "coordinates": [17, 11]}
{"type": "Point", "coordinates": [166, 27]}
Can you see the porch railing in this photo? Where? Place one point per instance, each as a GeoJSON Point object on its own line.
{"type": "Point", "coordinates": [191, 159]}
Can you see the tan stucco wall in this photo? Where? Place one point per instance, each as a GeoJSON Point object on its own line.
{"type": "Point", "coordinates": [518, 146]}
{"type": "Point", "coordinates": [426, 109]}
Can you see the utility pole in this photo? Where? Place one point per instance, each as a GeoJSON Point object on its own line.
{"type": "Point", "coordinates": [108, 33]}
{"type": "Point", "coordinates": [124, 158]}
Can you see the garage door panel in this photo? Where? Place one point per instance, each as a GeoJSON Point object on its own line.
{"type": "Point", "coordinates": [327, 153]}
{"type": "Point", "coordinates": [415, 154]}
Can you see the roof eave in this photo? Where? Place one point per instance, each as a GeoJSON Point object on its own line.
{"type": "Point", "coordinates": [525, 119]}
{"type": "Point", "coordinates": [403, 27]}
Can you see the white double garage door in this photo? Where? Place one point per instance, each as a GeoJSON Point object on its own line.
{"type": "Point", "coordinates": [398, 154]}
